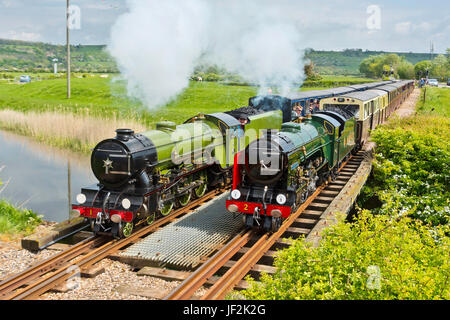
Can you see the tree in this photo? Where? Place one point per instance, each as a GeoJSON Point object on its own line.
{"type": "Point", "coordinates": [310, 73]}
{"type": "Point", "coordinates": [378, 66]}
{"type": "Point", "coordinates": [421, 68]}
{"type": "Point", "coordinates": [440, 67]}
{"type": "Point", "coordinates": [406, 71]}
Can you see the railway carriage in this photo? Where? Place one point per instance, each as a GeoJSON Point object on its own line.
{"type": "Point", "coordinates": [369, 86]}
{"type": "Point", "coordinates": [397, 93]}
{"type": "Point", "coordinates": [367, 107]}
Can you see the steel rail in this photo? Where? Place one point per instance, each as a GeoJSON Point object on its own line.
{"type": "Point", "coordinates": [227, 282]}
{"type": "Point", "coordinates": [34, 290]}
{"type": "Point", "coordinates": [251, 257]}
{"type": "Point", "coordinates": [197, 279]}
{"type": "Point", "coordinates": [47, 265]}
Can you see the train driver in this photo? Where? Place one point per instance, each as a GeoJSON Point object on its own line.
{"type": "Point", "coordinates": [298, 111]}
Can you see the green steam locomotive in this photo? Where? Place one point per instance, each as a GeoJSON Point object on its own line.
{"type": "Point", "coordinates": [280, 171]}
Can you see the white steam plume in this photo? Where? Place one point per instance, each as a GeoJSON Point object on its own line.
{"type": "Point", "coordinates": [157, 44]}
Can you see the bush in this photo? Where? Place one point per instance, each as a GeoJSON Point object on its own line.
{"type": "Point", "coordinates": [411, 169]}
{"type": "Point", "coordinates": [376, 257]}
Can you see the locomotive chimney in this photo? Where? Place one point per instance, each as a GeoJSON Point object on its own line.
{"type": "Point", "coordinates": [124, 134]}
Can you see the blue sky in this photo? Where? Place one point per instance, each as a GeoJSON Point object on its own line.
{"type": "Point", "coordinates": [326, 25]}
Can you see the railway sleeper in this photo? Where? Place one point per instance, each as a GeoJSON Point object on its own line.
{"type": "Point", "coordinates": [345, 172]}
{"type": "Point", "coordinates": [323, 199]}
{"type": "Point", "coordinates": [334, 188]}
{"type": "Point", "coordinates": [305, 223]}
{"type": "Point", "coordinates": [296, 233]}
{"type": "Point", "coordinates": [311, 214]}
{"type": "Point", "coordinates": [256, 268]}
{"type": "Point", "coordinates": [339, 183]}
{"type": "Point", "coordinates": [329, 193]}
{"type": "Point", "coordinates": [317, 206]}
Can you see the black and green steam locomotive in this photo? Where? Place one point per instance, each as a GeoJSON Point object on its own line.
{"type": "Point", "coordinates": [278, 172]}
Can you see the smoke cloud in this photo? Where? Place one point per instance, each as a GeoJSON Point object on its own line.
{"type": "Point", "coordinates": [157, 44]}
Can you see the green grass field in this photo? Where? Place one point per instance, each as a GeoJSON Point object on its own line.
{"type": "Point", "coordinates": [437, 102]}
{"type": "Point", "coordinates": [104, 98]}
{"type": "Point", "coordinates": [97, 100]}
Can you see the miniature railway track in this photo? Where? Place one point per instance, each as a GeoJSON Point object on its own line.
{"type": "Point", "coordinates": [54, 271]}
{"type": "Point", "coordinates": [253, 252]}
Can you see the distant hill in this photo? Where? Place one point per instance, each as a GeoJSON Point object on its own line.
{"type": "Point", "coordinates": [347, 62]}
{"type": "Point", "coordinates": [38, 57]}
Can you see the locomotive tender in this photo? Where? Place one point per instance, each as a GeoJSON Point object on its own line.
{"type": "Point", "coordinates": [278, 172]}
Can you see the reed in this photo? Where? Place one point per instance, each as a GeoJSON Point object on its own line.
{"type": "Point", "coordinates": [79, 133]}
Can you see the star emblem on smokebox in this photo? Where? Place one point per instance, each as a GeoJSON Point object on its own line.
{"type": "Point", "coordinates": [107, 164]}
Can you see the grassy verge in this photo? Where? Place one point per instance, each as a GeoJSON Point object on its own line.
{"type": "Point", "coordinates": [437, 102]}
{"type": "Point", "coordinates": [16, 222]}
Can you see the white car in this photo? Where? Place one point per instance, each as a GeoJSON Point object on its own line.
{"type": "Point", "coordinates": [433, 83]}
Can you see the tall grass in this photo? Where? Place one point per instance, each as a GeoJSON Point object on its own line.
{"type": "Point", "coordinates": [78, 133]}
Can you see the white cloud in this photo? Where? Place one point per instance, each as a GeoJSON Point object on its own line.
{"type": "Point", "coordinates": [25, 36]}
{"type": "Point", "coordinates": [6, 3]}
{"type": "Point", "coordinates": [403, 28]}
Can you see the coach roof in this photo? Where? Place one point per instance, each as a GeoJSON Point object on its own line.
{"type": "Point", "coordinates": [364, 95]}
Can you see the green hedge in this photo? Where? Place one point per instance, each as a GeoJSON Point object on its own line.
{"type": "Point", "coordinates": [412, 169]}
{"type": "Point", "coordinates": [374, 258]}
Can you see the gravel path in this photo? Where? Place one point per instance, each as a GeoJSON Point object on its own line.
{"type": "Point", "coordinates": [408, 108]}
{"type": "Point", "coordinates": [115, 283]}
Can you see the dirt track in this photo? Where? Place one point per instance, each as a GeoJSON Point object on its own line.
{"type": "Point", "coordinates": [408, 108]}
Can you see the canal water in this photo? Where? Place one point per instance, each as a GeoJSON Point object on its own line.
{"type": "Point", "coordinates": [35, 176]}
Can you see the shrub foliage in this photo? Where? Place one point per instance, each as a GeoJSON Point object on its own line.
{"type": "Point", "coordinates": [412, 169]}
{"type": "Point", "coordinates": [375, 257]}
